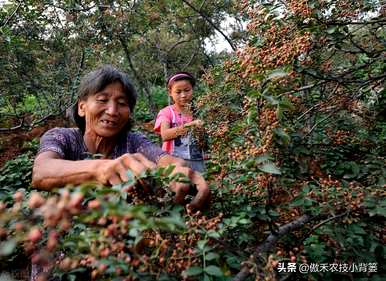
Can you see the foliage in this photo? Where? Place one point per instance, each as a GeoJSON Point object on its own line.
{"type": "Point", "coordinates": [14, 175]}
{"type": "Point", "coordinates": [96, 227]}
{"type": "Point", "coordinates": [160, 99]}
{"type": "Point", "coordinates": [296, 125]}
{"type": "Point", "coordinates": [48, 45]}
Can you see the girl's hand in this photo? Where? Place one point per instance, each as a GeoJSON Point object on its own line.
{"type": "Point", "coordinates": [195, 123]}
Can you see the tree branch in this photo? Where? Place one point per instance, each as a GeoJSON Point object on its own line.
{"type": "Point", "coordinates": [326, 221]}
{"type": "Point", "coordinates": [211, 24]}
{"type": "Point", "coordinates": [271, 241]}
{"type": "Point", "coordinates": [317, 104]}
{"type": "Point", "coordinates": [176, 44]}
{"type": "Point", "coordinates": [11, 16]}
{"type": "Point", "coordinates": [77, 76]}
{"type": "Point", "coordinates": [6, 130]}
{"type": "Point", "coordinates": [137, 77]}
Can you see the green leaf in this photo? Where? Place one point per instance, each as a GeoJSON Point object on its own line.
{"type": "Point", "coordinates": [252, 115]}
{"type": "Point", "coordinates": [233, 262]}
{"type": "Point", "coordinates": [357, 229]}
{"type": "Point", "coordinates": [7, 247]}
{"type": "Point", "coordinates": [331, 29]}
{"type": "Point", "coordinates": [211, 256]}
{"type": "Point", "coordinates": [380, 211]}
{"type": "Point", "coordinates": [244, 221]}
{"type": "Point", "coordinates": [262, 158]}
{"type": "Point", "coordinates": [169, 169]}
{"type": "Point", "coordinates": [207, 277]}
{"type": "Point", "coordinates": [192, 271]}
{"type": "Point", "coordinates": [213, 234]}
{"type": "Point", "coordinates": [131, 177]}
{"type": "Point", "coordinates": [286, 104]}
{"type": "Point", "coordinates": [277, 73]}
{"type": "Point", "coordinates": [213, 270]}
{"type": "Point", "coordinates": [271, 100]}
{"type": "Point", "coordinates": [279, 132]}
{"type": "Point", "coordinates": [270, 168]}
{"type": "Point", "coordinates": [297, 202]}
{"type": "Point", "coordinates": [201, 244]}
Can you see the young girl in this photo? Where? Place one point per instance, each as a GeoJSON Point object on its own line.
{"type": "Point", "coordinates": [174, 122]}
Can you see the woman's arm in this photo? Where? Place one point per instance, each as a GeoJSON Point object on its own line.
{"type": "Point", "coordinates": [181, 189]}
{"type": "Point", "coordinates": [50, 171]}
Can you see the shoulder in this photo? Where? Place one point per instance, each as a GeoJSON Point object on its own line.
{"type": "Point", "coordinates": [166, 110]}
{"type": "Point", "coordinates": [135, 137]}
{"type": "Point", "coordinates": [63, 133]}
{"type": "Point", "coordinates": [141, 144]}
{"type": "Point", "coordinates": [67, 142]}
{"type": "Point", "coordinates": [164, 115]}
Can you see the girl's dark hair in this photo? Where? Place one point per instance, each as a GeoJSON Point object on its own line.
{"type": "Point", "coordinates": [180, 75]}
{"type": "Point", "coordinates": [95, 81]}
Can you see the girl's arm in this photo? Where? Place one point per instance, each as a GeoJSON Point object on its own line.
{"type": "Point", "coordinates": [168, 133]}
{"type": "Point", "coordinates": [50, 171]}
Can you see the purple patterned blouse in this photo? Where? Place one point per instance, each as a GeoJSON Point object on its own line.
{"type": "Point", "coordinates": [69, 144]}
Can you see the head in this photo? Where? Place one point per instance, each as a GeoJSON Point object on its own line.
{"type": "Point", "coordinates": [180, 87]}
{"type": "Point", "coordinates": [106, 100]}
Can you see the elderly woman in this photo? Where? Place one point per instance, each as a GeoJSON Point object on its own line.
{"type": "Point", "coordinates": [105, 104]}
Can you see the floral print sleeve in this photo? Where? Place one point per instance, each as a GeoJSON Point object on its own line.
{"type": "Point", "coordinates": [67, 142]}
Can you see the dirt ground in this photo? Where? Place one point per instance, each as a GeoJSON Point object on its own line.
{"type": "Point", "coordinates": [13, 143]}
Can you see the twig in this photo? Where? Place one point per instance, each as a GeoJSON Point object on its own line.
{"type": "Point", "coordinates": [307, 87]}
{"type": "Point", "coordinates": [73, 9]}
{"type": "Point", "coordinates": [211, 24]}
{"type": "Point", "coordinates": [176, 44]}
{"type": "Point", "coordinates": [316, 105]}
{"type": "Point", "coordinates": [4, 130]}
{"type": "Point", "coordinates": [271, 224]}
{"type": "Point", "coordinates": [282, 230]}
{"type": "Point", "coordinates": [77, 76]}
{"type": "Point", "coordinates": [190, 60]}
{"type": "Point", "coordinates": [33, 124]}
{"type": "Point", "coordinates": [328, 220]}
{"type": "Point", "coordinates": [319, 122]}
{"type": "Point", "coordinates": [11, 16]}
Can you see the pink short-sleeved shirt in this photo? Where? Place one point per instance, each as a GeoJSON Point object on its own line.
{"type": "Point", "coordinates": [186, 146]}
{"type": "Point", "coordinates": [174, 118]}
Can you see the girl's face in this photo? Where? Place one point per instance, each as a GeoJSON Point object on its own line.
{"type": "Point", "coordinates": [106, 112]}
{"type": "Point", "coordinates": [181, 92]}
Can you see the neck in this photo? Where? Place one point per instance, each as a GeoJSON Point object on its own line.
{"type": "Point", "coordinates": [97, 144]}
{"type": "Point", "coordinates": [185, 109]}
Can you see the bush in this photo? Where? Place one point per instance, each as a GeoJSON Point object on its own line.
{"type": "Point", "coordinates": [297, 144]}
{"type": "Point", "coordinates": [14, 175]}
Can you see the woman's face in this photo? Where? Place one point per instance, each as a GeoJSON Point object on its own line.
{"type": "Point", "coordinates": [107, 112]}
{"type": "Point", "coordinates": [181, 92]}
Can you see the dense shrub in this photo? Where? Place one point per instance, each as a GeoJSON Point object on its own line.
{"type": "Point", "coordinates": [297, 130]}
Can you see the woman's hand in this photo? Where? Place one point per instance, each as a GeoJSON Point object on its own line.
{"type": "Point", "coordinates": [115, 171]}
{"type": "Point", "coordinates": [182, 189]}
